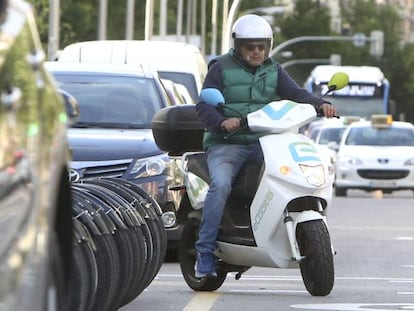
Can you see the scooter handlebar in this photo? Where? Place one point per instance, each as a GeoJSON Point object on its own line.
{"type": "Point", "coordinates": [320, 114]}
{"type": "Point", "coordinates": [243, 125]}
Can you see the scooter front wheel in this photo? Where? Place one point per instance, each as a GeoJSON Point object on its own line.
{"type": "Point", "coordinates": [317, 266]}
{"type": "Point", "coordinates": [187, 258]}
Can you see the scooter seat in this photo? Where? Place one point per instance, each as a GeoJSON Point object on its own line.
{"type": "Point", "coordinates": [197, 164]}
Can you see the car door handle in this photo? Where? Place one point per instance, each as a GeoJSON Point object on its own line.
{"type": "Point", "coordinates": [10, 98]}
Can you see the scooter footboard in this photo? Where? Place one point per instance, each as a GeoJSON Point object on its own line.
{"type": "Point", "coordinates": [249, 256]}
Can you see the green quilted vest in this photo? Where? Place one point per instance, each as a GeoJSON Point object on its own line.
{"type": "Point", "coordinates": [244, 91]}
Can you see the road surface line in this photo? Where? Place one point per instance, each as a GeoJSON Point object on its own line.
{"type": "Point", "coordinates": [356, 306]}
{"type": "Point", "coordinates": [268, 291]}
{"type": "Point", "coordinates": [202, 301]}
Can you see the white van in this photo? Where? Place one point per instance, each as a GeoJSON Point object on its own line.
{"type": "Point", "coordinates": [177, 61]}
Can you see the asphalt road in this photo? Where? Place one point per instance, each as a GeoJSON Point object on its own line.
{"type": "Point", "coordinates": [373, 235]}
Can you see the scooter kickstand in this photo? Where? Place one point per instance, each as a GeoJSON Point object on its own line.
{"type": "Point", "coordinates": [239, 274]}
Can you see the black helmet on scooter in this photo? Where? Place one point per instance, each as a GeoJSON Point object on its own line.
{"type": "Point", "coordinates": [252, 27]}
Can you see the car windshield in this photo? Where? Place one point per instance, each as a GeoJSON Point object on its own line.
{"type": "Point", "coordinates": [390, 136]}
{"type": "Point", "coordinates": [112, 101]}
{"type": "Point", "coordinates": [331, 134]}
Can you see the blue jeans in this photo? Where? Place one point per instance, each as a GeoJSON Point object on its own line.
{"type": "Point", "coordinates": [224, 163]}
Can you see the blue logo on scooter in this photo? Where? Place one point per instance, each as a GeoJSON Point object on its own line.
{"type": "Point", "coordinates": [302, 151]}
{"type": "Point", "coordinates": [278, 114]}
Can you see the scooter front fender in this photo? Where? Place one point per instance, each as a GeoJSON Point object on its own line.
{"type": "Point", "coordinates": [308, 215]}
{"type": "Point", "coordinates": [305, 216]}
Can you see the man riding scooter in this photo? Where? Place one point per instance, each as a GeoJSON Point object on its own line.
{"type": "Point", "coordinates": [248, 80]}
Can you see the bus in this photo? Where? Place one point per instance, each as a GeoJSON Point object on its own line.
{"type": "Point", "coordinates": [366, 94]}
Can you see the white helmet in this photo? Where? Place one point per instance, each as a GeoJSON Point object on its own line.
{"type": "Point", "coordinates": [251, 27]}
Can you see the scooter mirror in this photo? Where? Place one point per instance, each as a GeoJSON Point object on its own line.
{"type": "Point", "coordinates": [212, 97]}
{"type": "Point", "coordinates": [338, 81]}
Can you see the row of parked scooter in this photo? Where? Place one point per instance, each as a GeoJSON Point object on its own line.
{"type": "Point", "coordinates": [119, 246]}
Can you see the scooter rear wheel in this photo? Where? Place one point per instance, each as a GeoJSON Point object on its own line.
{"type": "Point", "coordinates": [317, 267]}
{"type": "Point", "coordinates": [187, 258]}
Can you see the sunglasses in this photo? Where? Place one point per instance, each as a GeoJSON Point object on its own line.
{"type": "Point", "coordinates": [251, 47]}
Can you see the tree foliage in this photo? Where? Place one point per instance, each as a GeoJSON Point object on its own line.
{"type": "Point", "coordinates": [79, 21]}
{"type": "Point", "coordinates": [364, 16]}
{"type": "Point", "coordinates": [302, 22]}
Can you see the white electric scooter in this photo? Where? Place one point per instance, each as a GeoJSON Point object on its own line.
{"type": "Point", "coordinates": [276, 214]}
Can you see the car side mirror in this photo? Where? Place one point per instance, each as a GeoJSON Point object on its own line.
{"type": "Point", "coordinates": [71, 106]}
{"type": "Point", "coordinates": [333, 145]}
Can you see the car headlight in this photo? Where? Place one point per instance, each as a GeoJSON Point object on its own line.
{"type": "Point", "coordinates": [315, 175]}
{"type": "Point", "coordinates": [348, 160]}
{"type": "Point", "coordinates": [151, 166]}
{"type": "Point", "coordinates": [169, 220]}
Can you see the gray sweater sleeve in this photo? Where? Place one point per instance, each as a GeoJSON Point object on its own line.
{"type": "Point", "coordinates": [209, 115]}
{"type": "Point", "coordinates": [287, 88]}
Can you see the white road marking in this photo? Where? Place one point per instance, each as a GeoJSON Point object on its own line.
{"type": "Point", "coordinates": [273, 291]}
{"type": "Point", "coordinates": [405, 238]}
{"type": "Point", "coordinates": [271, 278]}
{"type": "Point", "coordinates": [371, 228]}
{"type": "Point", "coordinates": [356, 306]}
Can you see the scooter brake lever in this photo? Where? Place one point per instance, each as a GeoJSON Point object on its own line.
{"type": "Point", "coordinates": [320, 115]}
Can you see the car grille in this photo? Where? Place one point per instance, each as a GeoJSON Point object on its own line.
{"type": "Point", "coordinates": [115, 170]}
{"type": "Point", "coordinates": [383, 174]}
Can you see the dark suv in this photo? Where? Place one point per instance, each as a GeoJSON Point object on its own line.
{"type": "Point", "coordinates": [35, 195]}
{"type": "Point", "coordinates": [112, 136]}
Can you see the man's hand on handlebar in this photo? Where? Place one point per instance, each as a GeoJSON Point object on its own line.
{"type": "Point", "coordinates": [327, 110]}
{"type": "Point", "coordinates": [231, 124]}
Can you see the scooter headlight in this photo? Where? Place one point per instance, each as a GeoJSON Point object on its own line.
{"type": "Point", "coordinates": [315, 175]}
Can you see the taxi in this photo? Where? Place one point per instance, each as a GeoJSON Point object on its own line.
{"type": "Point", "coordinates": [375, 155]}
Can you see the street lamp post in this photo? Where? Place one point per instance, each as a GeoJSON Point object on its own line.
{"type": "Point", "coordinates": [229, 22]}
{"type": "Point", "coordinates": [129, 31]}
{"type": "Point", "coordinates": [306, 61]}
{"type": "Point", "coordinates": [374, 39]}
{"type": "Point", "coordinates": [54, 19]}
{"type": "Point", "coordinates": [149, 18]}
{"type": "Point", "coordinates": [102, 19]}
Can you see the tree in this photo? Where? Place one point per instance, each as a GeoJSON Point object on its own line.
{"type": "Point", "coordinates": [365, 16]}
{"type": "Point", "coordinates": [310, 18]}
{"type": "Point", "coordinates": [79, 20]}
{"type": "Point", "coordinates": [307, 19]}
